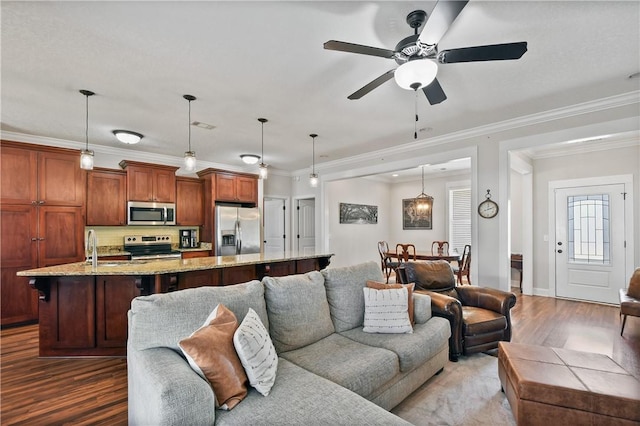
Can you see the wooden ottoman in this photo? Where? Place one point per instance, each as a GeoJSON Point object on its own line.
{"type": "Point", "coordinates": [549, 386]}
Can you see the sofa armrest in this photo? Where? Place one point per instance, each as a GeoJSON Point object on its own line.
{"type": "Point", "coordinates": [487, 298]}
{"type": "Point", "coordinates": [164, 390]}
{"type": "Point", "coordinates": [421, 308]}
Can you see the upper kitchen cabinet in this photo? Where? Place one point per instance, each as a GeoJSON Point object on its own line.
{"type": "Point", "coordinates": [232, 187]}
{"type": "Point", "coordinates": [106, 197]}
{"type": "Point", "coordinates": [150, 182]}
{"type": "Point", "coordinates": [189, 201]}
{"type": "Point", "coordinates": [33, 175]}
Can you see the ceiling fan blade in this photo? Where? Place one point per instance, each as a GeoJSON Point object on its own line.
{"type": "Point", "coordinates": [358, 48]}
{"type": "Point", "coordinates": [434, 92]}
{"type": "Point", "coordinates": [441, 18]}
{"type": "Point", "coordinates": [369, 87]}
{"type": "Point", "coordinates": [493, 52]}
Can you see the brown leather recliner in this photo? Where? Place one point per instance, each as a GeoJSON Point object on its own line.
{"type": "Point", "coordinates": [479, 316]}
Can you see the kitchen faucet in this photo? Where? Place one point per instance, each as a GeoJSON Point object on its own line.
{"type": "Point", "coordinates": [92, 241]}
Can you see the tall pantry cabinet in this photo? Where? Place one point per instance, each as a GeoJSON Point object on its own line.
{"type": "Point", "coordinates": [42, 208]}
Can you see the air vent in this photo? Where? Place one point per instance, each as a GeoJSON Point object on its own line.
{"type": "Point", "coordinates": [203, 125]}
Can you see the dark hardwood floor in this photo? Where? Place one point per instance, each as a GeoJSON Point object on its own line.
{"type": "Point", "coordinates": [35, 391]}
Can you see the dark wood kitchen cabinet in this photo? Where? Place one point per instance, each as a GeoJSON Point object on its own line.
{"type": "Point", "coordinates": [223, 186]}
{"type": "Point", "coordinates": [94, 319]}
{"type": "Point", "coordinates": [106, 197]}
{"type": "Point", "coordinates": [189, 201]}
{"type": "Point", "coordinates": [236, 188]}
{"type": "Point", "coordinates": [42, 211]}
{"type": "Point", "coordinates": [150, 182]}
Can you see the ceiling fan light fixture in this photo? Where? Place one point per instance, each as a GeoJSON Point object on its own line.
{"type": "Point", "coordinates": [250, 158]}
{"type": "Point", "coordinates": [416, 74]}
{"type": "Point", "coordinates": [127, 137]}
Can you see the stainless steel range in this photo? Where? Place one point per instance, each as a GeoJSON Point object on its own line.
{"type": "Point", "coordinates": [150, 247]}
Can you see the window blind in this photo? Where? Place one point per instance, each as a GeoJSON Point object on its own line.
{"type": "Point", "coordinates": [459, 218]}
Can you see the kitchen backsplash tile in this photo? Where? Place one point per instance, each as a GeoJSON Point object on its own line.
{"type": "Point", "coordinates": [113, 236]}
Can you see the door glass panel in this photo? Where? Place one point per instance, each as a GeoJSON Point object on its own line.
{"type": "Point", "coordinates": [588, 229]}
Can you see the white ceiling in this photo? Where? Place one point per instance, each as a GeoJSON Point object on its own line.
{"type": "Point", "coordinates": [244, 60]}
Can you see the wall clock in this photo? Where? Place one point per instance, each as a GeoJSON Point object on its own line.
{"type": "Point", "coordinates": [488, 208]}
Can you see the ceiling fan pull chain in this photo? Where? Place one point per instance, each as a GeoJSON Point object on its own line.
{"type": "Point", "coordinates": [415, 124]}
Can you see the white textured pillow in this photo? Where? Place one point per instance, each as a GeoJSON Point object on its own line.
{"type": "Point", "coordinates": [386, 311]}
{"type": "Point", "coordinates": [256, 352]}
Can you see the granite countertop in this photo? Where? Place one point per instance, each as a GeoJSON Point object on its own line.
{"type": "Point", "coordinates": [157, 267]}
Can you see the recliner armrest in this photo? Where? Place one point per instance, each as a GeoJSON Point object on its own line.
{"type": "Point", "coordinates": [449, 308]}
{"type": "Point", "coordinates": [487, 298]}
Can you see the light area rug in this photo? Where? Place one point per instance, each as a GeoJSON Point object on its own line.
{"type": "Point", "coordinates": [466, 393]}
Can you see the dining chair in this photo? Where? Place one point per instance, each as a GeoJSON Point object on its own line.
{"type": "Point", "coordinates": [387, 264]}
{"type": "Point", "coordinates": [407, 252]}
{"type": "Point", "coordinates": [464, 265]}
{"type": "Point", "coordinates": [442, 247]}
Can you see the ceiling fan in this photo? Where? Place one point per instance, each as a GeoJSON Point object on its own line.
{"type": "Point", "coordinates": [418, 54]}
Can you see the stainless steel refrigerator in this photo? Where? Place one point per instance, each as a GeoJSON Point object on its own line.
{"type": "Point", "coordinates": [237, 230]}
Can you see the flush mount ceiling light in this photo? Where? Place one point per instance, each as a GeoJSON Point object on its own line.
{"type": "Point", "coordinates": [250, 158]}
{"type": "Point", "coordinates": [263, 171]}
{"type": "Point", "coordinates": [313, 177]}
{"type": "Point", "coordinates": [416, 74]}
{"type": "Point", "coordinates": [127, 136]}
{"type": "Point", "coordinates": [86, 155]}
{"type": "Point", "coordinates": [423, 201]}
{"type": "Point", "coordinates": [189, 156]}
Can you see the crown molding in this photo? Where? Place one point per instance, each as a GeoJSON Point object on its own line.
{"type": "Point", "coordinates": [611, 102]}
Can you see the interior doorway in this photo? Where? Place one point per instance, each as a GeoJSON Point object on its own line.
{"type": "Point", "coordinates": [274, 217]}
{"type": "Point", "coordinates": [305, 225]}
{"type": "Point", "coordinates": [589, 247]}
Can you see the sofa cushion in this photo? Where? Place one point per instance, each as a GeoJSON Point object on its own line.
{"type": "Point", "coordinates": [634, 285]}
{"type": "Point", "coordinates": [386, 311]}
{"type": "Point", "coordinates": [300, 397]}
{"type": "Point", "coordinates": [179, 313]}
{"type": "Point", "coordinates": [256, 352]}
{"type": "Point", "coordinates": [413, 349]}
{"type": "Point", "coordinates": [344, 293]}
{"type": "Point", "coordinates": [383, 286]}
{"type": "Point", "coordinates": [298, 310]}
{"type": "Point", "coordinates": [360, 368]}
{"type": "Point", "coordinates": [210, 352]}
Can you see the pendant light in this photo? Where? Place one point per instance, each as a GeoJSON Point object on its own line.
{"type": "Point", "coordinates": [86, 155]}
{"type": "Point", "coordinates": [262, 170]}
{"type": "Point", "coordinates": [189, 156]}
{"type": "Point", "coordinates": [423, 200]}
{"type": "Point", "coordinates": [313, 177]}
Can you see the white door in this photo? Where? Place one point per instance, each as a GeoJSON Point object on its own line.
{"type": "Point", "coordinates": [306, 224]}
{"type": "Point", "coordinates": [590, 244]}
{"type": "Point", "coordinates": [274, 226]}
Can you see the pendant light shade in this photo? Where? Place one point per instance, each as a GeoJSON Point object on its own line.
{"type": "Point", "coordinates": [313, 177]}
{"type": "Point", "coordinates": [86, 155]}
{"type": "Point", "coordinates": [423, 201]}
{"type": "Point", "coordinates": [262, 169]}
{"type": "Point", "coordinates": [189, 156]}
{"type": "Point", "coordinates": [416, 74]}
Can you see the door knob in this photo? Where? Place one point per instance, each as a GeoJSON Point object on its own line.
{"type": "Point", "coordinates": [559, 243]}
{"type": "Point", "coordinates": [559, 251]}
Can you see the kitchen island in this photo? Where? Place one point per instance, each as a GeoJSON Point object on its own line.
{"type": "Point", "coordinates": [83, 309]}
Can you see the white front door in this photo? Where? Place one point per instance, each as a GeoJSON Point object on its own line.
{"type": "Point", "coordinates": [306, 226]}
{"type": "Point", "coordinates": [590, 242]}
{"type": "Point", "coordinates": [274, 226]}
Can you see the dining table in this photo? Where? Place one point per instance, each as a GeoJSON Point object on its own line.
{"type": "Point", "coordinates": [423, 256]}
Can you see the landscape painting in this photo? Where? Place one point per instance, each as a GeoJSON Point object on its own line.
{"type": "Point", "coordinates": [358, 213]}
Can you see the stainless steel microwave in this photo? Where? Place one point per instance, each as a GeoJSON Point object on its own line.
{"type": "Point", "coordinates": [145, 213]}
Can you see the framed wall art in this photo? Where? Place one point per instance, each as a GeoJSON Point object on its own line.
{"type": "Point", "coordinates": [358, 213]}
{"type": "Point", "coordinates": [412, 218]}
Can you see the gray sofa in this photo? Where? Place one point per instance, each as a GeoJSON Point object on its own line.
{"type": "Point", "coordinates": [329, 370]}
